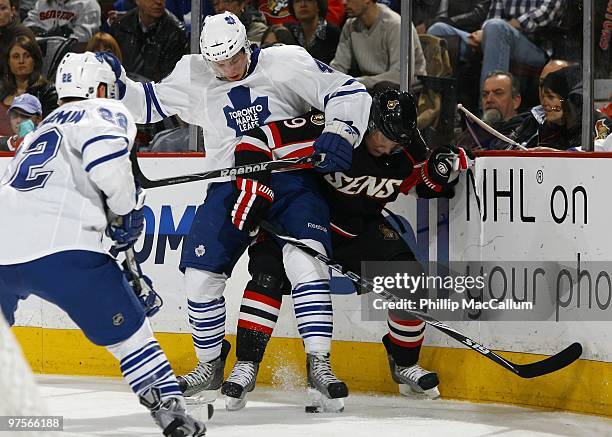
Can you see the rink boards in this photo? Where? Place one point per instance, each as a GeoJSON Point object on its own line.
{"type": "Point", "coordinates": [538, 208]}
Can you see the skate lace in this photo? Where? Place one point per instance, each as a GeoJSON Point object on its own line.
{"type": "Point", "coordinates": [201, 374]}
{"type": "Point", "coordinates": [412, 373]}
{"type": "Point", "coordinates": [321, 370]}
{"type": "Point", "coordinates": [242, 373]}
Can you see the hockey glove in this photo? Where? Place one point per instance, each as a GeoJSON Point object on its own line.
{"type": "Point", "coordinates": [142, 286]}
{"type": "Point", "coordinates": [254, 200]}
{"type": "Point", "coordinates": [126, 229]}
{"type": "Point", "coordinates": [336, 143]}
{"type": "Point", "coordinates": [120, 75]}
{"type": "Point", "coordinates": [443, 167]}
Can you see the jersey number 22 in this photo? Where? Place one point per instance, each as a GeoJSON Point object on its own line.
{"type": "Point", "coordinates": [29, 174]}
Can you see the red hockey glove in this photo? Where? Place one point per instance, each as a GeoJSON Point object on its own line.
{"type": "Point", "coordinates": [443, 167]}
{"type": "Point", "coordinates": [254, 200]}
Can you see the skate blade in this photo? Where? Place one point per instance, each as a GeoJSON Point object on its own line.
{"type": "Point", "coordinates": [234, 404]}
{"type": "Point", "coordinates": [202, 397]}
{"type": "Point", "coordinates": [409, 392]}
{"type": "Point", "coordinates": [319, 403]}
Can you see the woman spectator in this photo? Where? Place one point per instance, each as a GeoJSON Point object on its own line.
{"type": "Point", "coordinates": [10, 28]}
{"type": "Point", "coordinates": [562, 103]}
{"type": "Point", "coordinates": [104, 42]}
{"type": "Point", "coordinates": [312, 31]}
{"type": "Point", "coordinates": [277, 34]}
{"type": "Point", "coordinates": [23, 75]}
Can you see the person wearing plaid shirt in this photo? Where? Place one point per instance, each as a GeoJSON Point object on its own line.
{"type": "Point", "coordinates": [505, 34]}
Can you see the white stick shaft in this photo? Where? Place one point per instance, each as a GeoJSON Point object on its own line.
{"type": "Point", "coordinates": [489, 129]}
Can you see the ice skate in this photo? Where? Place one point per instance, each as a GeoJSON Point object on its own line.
{"type": "Point", "coordinates": [201, 384]}
{"type": "Point", "coordinates": [414, 380]}
{"type": "Point", "coordinates": [171, 417]}
{"type": "Point", "coordinates": [240, 382]}
{"type": "Point", "coordinates": [326, 393]}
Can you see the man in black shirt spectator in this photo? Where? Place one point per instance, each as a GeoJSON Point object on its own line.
{"type": "Point", "coordinates": [151, 39]}
{"type": "Point", "coordinates": [500, 101]}
{"type": "Point", "coordinates": [312, 31]}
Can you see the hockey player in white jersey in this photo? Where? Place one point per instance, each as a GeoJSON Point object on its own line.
{"type": "Point", "coordinates": [227, 90]}
{"type": "Point", "coordinates": [55, 195]}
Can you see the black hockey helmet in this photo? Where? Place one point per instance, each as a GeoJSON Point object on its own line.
{"type": "Point", "coordinates": [394, 113]}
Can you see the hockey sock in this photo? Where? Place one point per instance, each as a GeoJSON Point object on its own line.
{"type": "Point", "coordinates": [404, 339]}
{"type": "Point", "coordinates": [258, 315]}
{"type": "Point", "coordinates": [144, 364]}
{"type": "Point", "coordinates": [314, 315]}
{"type": "Point", "coordinates": [207, 322]}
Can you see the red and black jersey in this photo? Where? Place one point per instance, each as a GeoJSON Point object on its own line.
{"type": "Point", "coordinates": [354, 196]}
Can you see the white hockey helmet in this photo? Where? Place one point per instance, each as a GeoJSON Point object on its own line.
{"type": "Point", "coordinates": [81, 74]}
{"type": "Point", "coordinates": [223, 35]}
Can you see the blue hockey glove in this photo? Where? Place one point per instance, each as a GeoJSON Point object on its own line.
{"type": "Point", "coordinates": [336, 143]}
{"type": "Point", "coordinates": [126, 229]}
{"type": "Point", "coordinates": [120, 76]}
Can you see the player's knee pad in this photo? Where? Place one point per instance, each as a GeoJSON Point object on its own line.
{"type": "Point", "coordinates": [202, 286]}
{"type": "Point", "coordinates": [301, 267]}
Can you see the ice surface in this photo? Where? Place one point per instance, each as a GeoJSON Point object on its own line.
{"type": "Point", "coordinates": [106, 407]}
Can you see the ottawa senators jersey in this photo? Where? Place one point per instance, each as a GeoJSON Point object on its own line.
{"type": "Point", "coordinates": [356, 195]}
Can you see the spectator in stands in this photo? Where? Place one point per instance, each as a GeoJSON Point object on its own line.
{"type": "Point", "coordinates": [24, 115]}
{"type": "Point", "coordinates": [277, 11]}
{"type": "Point", "coordinates": [277, 34]}
{"type": "Point", "coordinates": [10, 28]}
{"type": "Point", "coordinates": [504, 36]}
{"type": "Point", "coordinates": [464, 15]}
{"type": "Point", "coordinates": [151, 40]}
{"type": "Point", "coordinates": [528, 130]}
{"type": "Point", "coordinates": [78, 19]}
{"type": "Point", "coordinates": [500, 100]}
{"type": "Point", "coordinates": [24, 76]}
{"type": "Point", "coordinates": [370, 41]}
{"type": "Point", "coordinates": [562, 103]}
{"type": "Point", "coordinates": [253, 19]}
{"type": "Point", "coordinates": [104, 42]}
{"type": "Point", "coordinates": [312, 31]}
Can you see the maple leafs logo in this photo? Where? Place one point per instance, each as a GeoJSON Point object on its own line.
{"type": "Point", "coordinates": [245, 114]}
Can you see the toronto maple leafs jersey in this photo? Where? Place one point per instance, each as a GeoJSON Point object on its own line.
{"type": "Point", "coordinates": [55, 190]}
{"type": "Point", "coordinates": [282, 82]}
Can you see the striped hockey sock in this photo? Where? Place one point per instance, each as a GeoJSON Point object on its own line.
{"type": "Point", "coordinates": [314, 315]}
{"type": "Point", "coordinates": [258, 315]}
{"type": "Point", "coordinates": [405, 338]}
{"type": "Point", "coordinates": [207, 322]}
{"type": "Point", "coordinates": [144, 364]}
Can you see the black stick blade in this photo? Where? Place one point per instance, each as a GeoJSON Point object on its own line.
{"type": "Point", "coordinates": [551, 364]}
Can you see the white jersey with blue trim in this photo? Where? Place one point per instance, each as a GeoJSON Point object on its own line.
{"type": "Point", "coordinates": [283, 82]}
{"type": "Point", "coordinates": [55, 191]}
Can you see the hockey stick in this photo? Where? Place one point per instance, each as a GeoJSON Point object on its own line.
{"type": "Point", "coordinates": [489, 129]}
{"type": "Point", "coordinates": [279, 164]}
{"type": "Point", "coordinates": [532, 370]}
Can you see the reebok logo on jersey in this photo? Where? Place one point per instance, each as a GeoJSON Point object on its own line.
{"type": "Point", "coordinates": [247, 169]}
{"type": "Point", "coordinates": [378, 188]}
{"type": "Point", "coordinates": [317, 227]}
{"type": "Point", "coordinates": [245, 114]}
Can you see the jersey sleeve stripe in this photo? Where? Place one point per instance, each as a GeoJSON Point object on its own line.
{"type": "Point", "coordinates": [106, 158]}
{"type": "Point", "coordinates": [101, 138]}
{"type": "Point", "coordinates": [153, 97]}
{"type": "Point", "coordinates": [342, 93]}
{"type": "Point", "coordinates": [148, 102]}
